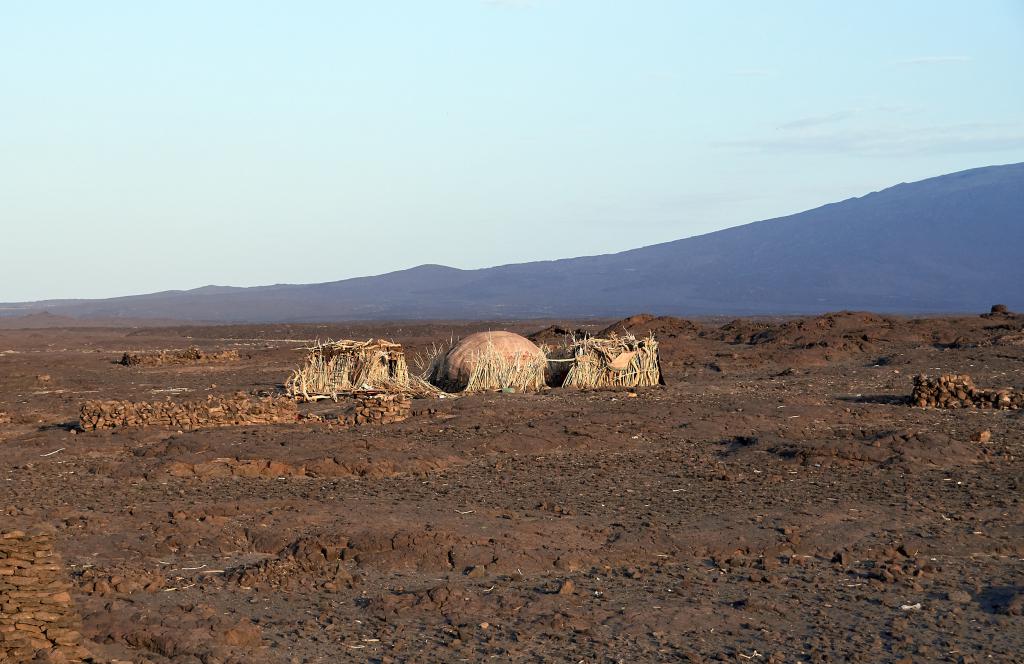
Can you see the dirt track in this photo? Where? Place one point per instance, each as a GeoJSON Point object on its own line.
{"type": "Point", "coordinates": [779, 500]}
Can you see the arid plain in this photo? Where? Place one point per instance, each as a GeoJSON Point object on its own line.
{"type": "Point", "coordinates": [778, 500]}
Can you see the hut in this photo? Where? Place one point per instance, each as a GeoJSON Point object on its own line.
{"type": "Point", "coordinates": [349, 367]}
{"type": "Point", "coordinates": [614, 361]}
{"type": "Point", "coordinates": [490, 361]}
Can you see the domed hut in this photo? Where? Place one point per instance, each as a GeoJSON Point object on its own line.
{"type": "Point", "coordinates": [490, 361]}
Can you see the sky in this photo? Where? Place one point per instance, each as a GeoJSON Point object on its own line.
{"type": "Point", "coordinates": [148, 146]}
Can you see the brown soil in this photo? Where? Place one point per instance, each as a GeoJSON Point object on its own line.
{"type": "Point", "coordinates": [779, 500]}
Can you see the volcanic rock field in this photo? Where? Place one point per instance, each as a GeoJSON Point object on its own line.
{"type": "Point", "coordinates": [781, 499]}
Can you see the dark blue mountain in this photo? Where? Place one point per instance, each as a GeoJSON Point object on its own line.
{"type": "Point", "coordinates": [953, 243]}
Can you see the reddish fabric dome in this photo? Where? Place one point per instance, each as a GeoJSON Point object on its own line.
{"type": "Point", "coordinates": [495, 348]}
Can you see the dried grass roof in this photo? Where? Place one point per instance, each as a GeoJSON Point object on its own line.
{"type": "Point", "coordinates": [490, 361]}
{"type": "Point", "coordinates": [347, 366]}
{"type": "Point", "coordinates": [613, 361]}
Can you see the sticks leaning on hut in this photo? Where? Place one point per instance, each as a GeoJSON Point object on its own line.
{"type": "Point", "coordinates": [614, 362]}
{"type": "Point", "coordinates": [494, 371]}
{"type": "Point", "coordinates": [488, 361]}
{"type": "Point", "coordinates": [350, 367]}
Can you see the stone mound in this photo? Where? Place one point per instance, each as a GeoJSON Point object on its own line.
{"type": "Point", "coordinates": [999, 311]}
{"type": "Point", "coordinates": [959, 391]}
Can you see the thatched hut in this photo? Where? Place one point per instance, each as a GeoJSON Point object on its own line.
{"type": "Point", "coordinates": [348, 367]}
{"type": "Point", "coordinates": [615, 361]}
{"type": "Point", "coordinates": [490, 361]}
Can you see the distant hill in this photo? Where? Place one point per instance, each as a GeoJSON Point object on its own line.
{"type": "Point", "coordinates": [44, 319]}
{"type": "Point", "coordinates": [953, 243]}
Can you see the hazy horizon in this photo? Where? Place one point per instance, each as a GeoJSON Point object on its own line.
{"type": "Point", "coordinates": [420, 265]}
{"type": "Point", "coordinates": [150, 148]}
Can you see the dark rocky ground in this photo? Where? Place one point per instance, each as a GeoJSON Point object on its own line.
{"type": "Point", "coordinates": [778, 501]}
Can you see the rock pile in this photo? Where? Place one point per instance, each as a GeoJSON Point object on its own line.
{"type": "Point", "coordinates": [959, 391]}
{"type": "Point", "coordinates": [190, 355]}
{"type": "Point", "coordinates": [240, 409]}
{"type": "Point", "coordinates": [1000, 311]}
{"type": "Point", "coordinates": [35, 607]}
{"type": "Point", "coordinates": [377, 409]}
{"type": "Point", "coordinates": [4, 418]}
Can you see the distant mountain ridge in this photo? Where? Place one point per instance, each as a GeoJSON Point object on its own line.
{"type": "Point", "coordinates": [952, 243]}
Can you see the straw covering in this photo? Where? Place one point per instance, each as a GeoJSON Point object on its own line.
{"type": "Point", "coordinates": [332, 368]}
{"type": "Point", "coordinates": [488, 361]}
{"type": "Point", "coordinates": [615, 361]}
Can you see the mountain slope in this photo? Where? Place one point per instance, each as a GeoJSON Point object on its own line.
{"type": "Point", "coordinates": [950, 243]}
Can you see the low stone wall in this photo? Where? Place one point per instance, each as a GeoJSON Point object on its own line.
{"type": "Point", "coordinates": [36, 612]}
{"type": "Point", "coordinates": [377, 409]}
{"type": "Point", "coordinates": [959, 391]}
{"type": "Point", "coordinates": [213, 412]}
{"type": "Point", "coordinates": [191, 355]}
{"type": "Point", "coordinates": [359, 409]}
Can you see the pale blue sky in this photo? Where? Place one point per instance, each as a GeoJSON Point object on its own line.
{"type": "Point", "coordinates": [155, 145]}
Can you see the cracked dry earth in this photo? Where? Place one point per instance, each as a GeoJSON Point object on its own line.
{"type": "Point", "coordinates": [778, 501]}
